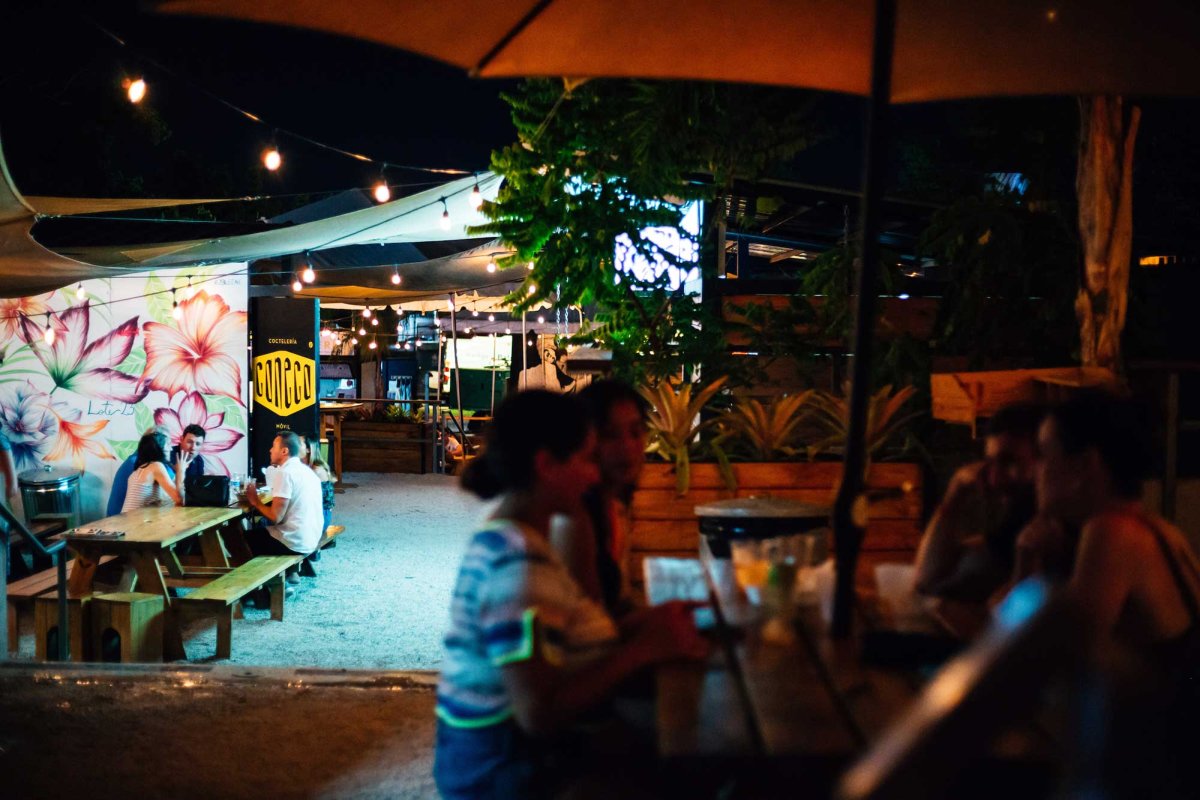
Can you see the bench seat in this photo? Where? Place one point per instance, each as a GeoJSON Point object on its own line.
{"type": "Point", "coordinates": [25, 591]}
{"type": "Point", "coordinates": [219, 597]}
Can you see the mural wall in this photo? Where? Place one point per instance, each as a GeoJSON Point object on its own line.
{"type": "Point", "coordinates": [123, 355]}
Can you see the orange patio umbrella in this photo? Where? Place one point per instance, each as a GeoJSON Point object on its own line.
{"type": "Point", "coordinates": [888, 50]}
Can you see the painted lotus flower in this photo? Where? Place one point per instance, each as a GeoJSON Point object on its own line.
{"type": "Point", "coordinates": [83, 367]}
{"type": "Point", "coordinates": [29, 422]}
{"type": "Point", "coordinates": [12, 308]}
{"type": "Point", "coordinates": [191, 409]}
{"type": "Point", "coordinates": [200, 352]}
{"type": "Point", "coordinates": [76, 438]}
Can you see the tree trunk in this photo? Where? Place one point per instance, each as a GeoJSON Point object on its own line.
{"type": "Point", "coordinates": [1104, 185]}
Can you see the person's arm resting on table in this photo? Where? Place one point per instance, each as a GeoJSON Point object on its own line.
{"type": "Point", "coordinates": [281, 496]}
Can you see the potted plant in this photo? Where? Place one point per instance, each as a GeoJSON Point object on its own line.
{"type": "Point", "coordinates": [756, 448]}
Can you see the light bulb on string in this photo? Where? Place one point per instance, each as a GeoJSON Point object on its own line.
{"type": "Point", "coordinates": [396, 277]}
{"type": "Point", "coordinates": [176, 311]}
{"type": "Point", "coordinates": [135, 90]}
{"type": "Point", "coordinates": [372, 345]}
{"type": "Point", "coordinates": [529, 266]}
{"type": "Point", "coordinates": [374, 320]}
{"type": "Point", "coordinates": [541, 320]}
{"type": "Point", "coordinates": [272, 159]}
{"type": "Point", "coordinates": [297, 285]}
{"type": "Point", "coordinates": [507, 331]}
{"type": "Point", "coordinates": [80, 293]}
{"type": "Point", "coordinates": [48, 335]}
{"type": "Point", "coordinates": [362, 331]}
{"type": "Point", "coordinates": [491, 317]}
{"type": "Point", "coordinates": [187, 294]}
{"type": "Point", "coordinates": [476, 198]}
{"type": "Point", "coordinates": [445, 221]}
{"type": "Point", "coordinates": [309, 275]}
{"type": "Point", "coordinates": [354, 341]}
{"type": "Point", "coordinates": [382, 193]}
{"type": "Point", "coordinates": [532, 288]}
{"type": "Point", "coordinates": [367, 312]}
{"type": "Point", "coordinates": [474, 312]}
{"type": "Point", "coordinates": [491, 265]}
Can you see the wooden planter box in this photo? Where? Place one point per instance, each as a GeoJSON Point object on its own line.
{"type": "Point", "coordinates": [665, 524]}
{"type": "Point", "coordinates": [387, 446]}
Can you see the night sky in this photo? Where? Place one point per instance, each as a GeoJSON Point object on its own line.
{"type": "Point", "coordinates": [67, 129]}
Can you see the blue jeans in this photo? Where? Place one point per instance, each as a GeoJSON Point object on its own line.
{"type": "Point", "coordinates": [492, 763]}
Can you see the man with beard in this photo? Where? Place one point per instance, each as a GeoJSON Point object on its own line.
{"type": "Point", "coordinates": [969, 548]}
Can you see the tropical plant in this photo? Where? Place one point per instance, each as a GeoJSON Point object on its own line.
{"type": "Point", "coordinates": [766, 432]}
{"type": "Point", "coordinates": [832, 412]}
{"type": "Point", "coordinates": [675, 424]}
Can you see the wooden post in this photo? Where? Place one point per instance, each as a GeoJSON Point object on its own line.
{"type": "Point", "coordinates": [1104, 185]}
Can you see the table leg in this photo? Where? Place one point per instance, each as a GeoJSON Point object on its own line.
{"type": "Point", "coordinates": [213, 552]}
{"type": "Point", "coordinates": [128, 582]}
{"type": "Point", "coordinates": [235, 543]}
{"type": "Point", "coordinates": [150, 578]}
{"type": "Point", "coordinates": [83, 572]}
{"type": "Point", "coordinates": [337, 447]}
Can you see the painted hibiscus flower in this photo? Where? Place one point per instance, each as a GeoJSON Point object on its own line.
{"type": "Point", "coordinates": [82, 367]}
{"type": "Point", "coordinates": [191, 409]}
{"type": "Point", "coordinates": [76, 439]}
{"type": "Point", "coordinates": [201, 352]}
{"type": "Point", "coordinates": [11, 309]}
{"type": "Point", "coordinates": [29, 422]}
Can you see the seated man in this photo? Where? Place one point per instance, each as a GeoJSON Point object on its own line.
{"type": "Point", "coordinates": [120, 486]}
{"type": "Point", "coordinates": [190, 443]}
{"type": "Point", "coordinates": [968, 550]}
{"type": "Point", "coordinates": [295, 516]}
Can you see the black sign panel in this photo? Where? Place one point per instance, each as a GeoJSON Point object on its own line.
{"type": "Point", "coordinates": [284, 369]}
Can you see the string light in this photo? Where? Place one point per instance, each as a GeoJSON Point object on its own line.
{"type": "Point", "coordinates": [372, 345]}
{"type": "Point", "coordinates": [354, 342]}
{"type": "Point", "coordinates": [467, 331]}
{"type": "Point", "coordinates": [80, 293]}
{"type": "Point", "coordinates": [375, 321]}
{"type": "Point", "coordinates": [297, 285]}
{"type": "Point", "coordinates": [532, 288]}
{"type": "Point", "coordinates": [507, 330]}
{"type": "Point", "coordinates": [491, 317]}
{"type": "Point", "coordinates": [382, 192]}
{"type": "Point", "coordinates": [396, 276]}
{"type": "Point", "coordinates": [362, 331]}
{"type": "Point", "coordinates": [272, 159]}
{"type": "Point", "coordinates": [176, 311]}
{"type": "Point", "coordinates": [135, 90]}
{"type": "Point", "coordinates": [445, 222]}
{"type": "Point", "coordinates": [48, 334]}
{"type": "Point", "coordinates": [491, 266]}
{"type": "Point", "coordinates": [367, 312]}
{"type": "Point", "coordinates": [529, 266]}
{"type": "Point", "coordinates": [474, 312]}
{"type": "Point", "coordinates": [189, 292]}
{"type": "Point", "coordinates": [476, 198]}
{"type": "Point", "coordinates": [309, 275]}
{"type": "Point", "coordinates": [541, 320]}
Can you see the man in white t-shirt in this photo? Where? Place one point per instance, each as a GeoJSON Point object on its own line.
{"type": "Point", "coordinates": [295, 518]}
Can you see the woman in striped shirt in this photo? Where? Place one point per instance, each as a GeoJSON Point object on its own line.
{"type": "Point", "coordinates": [151, 478]}
{"type": "Point", "coordinates": [528, 652]}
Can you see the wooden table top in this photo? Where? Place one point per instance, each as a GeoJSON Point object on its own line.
{"type": "Point", "coordinates": [155, 527]}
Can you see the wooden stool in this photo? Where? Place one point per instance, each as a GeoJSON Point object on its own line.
{"type": "Point", "coordinates": [135, 619]}
{"type": "Point", "coordinates": [45, 625]}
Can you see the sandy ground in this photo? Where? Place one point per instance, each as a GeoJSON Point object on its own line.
{"type": "Point", "coordinates": [382, 596]}
{"type": "Point", "coordinates": [221, 732]}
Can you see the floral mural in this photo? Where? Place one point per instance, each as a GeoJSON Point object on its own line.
{"type": "Point", "coordinates": [121, 356]}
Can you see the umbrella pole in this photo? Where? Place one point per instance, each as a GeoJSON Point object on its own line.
{"type": "Point", "coordinates": [493, 408]}
{"type": "Point", "coordinates": [524, 352]}
{"type": "Point", "coordinates": [850, 507]}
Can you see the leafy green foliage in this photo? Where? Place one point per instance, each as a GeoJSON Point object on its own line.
{"type": "Point", "coordinates": [611, 158]}
{"type": "Point", "coordinates": [883, 418]}
{"type": "Point", "coordinates": [675, 424]}
{"type": "Point", "coordinates": [1013, 273]}
{"type": "Point", "coordinates": [766, 432]}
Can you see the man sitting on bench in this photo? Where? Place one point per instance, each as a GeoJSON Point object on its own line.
{"type": "Point", "coordinates": [295, 517]}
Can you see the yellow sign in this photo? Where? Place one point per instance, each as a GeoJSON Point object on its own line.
{"type": "Point", "coordinates": [285, 382]}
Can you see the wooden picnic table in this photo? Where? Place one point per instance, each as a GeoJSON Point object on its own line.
{"type": "Point", "coordinates": [148, 549]}
{"type": "Point", "coordinates": [802, 708]}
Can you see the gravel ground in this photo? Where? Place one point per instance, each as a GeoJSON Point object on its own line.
{"type": "Point", "coordinates": [382, 595]}
{"type": "Point", "coordinates": [213, 732]}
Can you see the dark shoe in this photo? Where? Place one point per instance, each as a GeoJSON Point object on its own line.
{"type": "Point", "coordinates": [293, 579]}
{"type": "Point", "coordinates": [308, 569]}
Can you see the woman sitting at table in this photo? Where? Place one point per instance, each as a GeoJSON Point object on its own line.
{"type": "Point", "coordinates": [312, 458]}
{"type": "Point", "coordinates": [528, 653]}
{"type": "Point", "coordinates": [1134, 573]}
{"type": "Point", "coordinates": [151, 479]}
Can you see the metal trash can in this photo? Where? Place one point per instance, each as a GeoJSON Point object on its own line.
{"type": "Point", "coordinates": [51, 491]}
{"type": "Point", "coordinates": [761, 518]}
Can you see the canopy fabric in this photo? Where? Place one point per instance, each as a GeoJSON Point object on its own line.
{"type": "Point", "coordinates": [415, 218]}
{"type": "Point", "coordinates": [71, 206]}
{"type": "Point", "coordinates": [945, 49]}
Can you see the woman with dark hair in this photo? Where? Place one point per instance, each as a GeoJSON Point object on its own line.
{"type": "Point", "coordinates": [1134, 576]}
{"type": "Point", "coordinates": [528, 652]}
{"type": "Point", "coordinates": [312, 458]}
{"type": "Point", "coordinates": [595, 543]}
{"type": "Point", "coordinates": [150, 475]}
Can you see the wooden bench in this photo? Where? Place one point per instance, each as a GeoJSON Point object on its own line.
{"type": "Point", "coordinates": [218, 598]}
{"type": "Point", "coordinates": [307, 568]}
{"type": "Point", "coordinates": [42, 527]}
{"type": "Point", "coordinates": [23, 592]}
{"type": "Point", "coordinates": [331, 533]}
